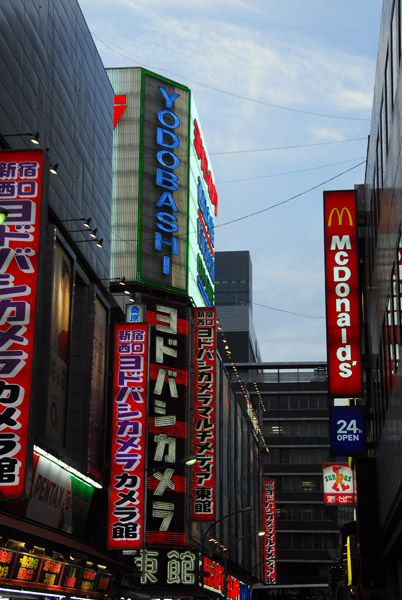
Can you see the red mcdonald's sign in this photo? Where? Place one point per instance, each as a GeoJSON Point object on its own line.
{"type": "Point", "coordinates": [342, 294]}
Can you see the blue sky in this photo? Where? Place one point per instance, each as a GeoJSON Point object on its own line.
{"type": "Point", "coordinates": [283, 91]}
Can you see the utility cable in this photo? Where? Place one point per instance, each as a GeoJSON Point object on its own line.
{"type": "Point", "coordinates": [215, 89]}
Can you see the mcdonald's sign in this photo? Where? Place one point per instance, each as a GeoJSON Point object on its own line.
{"type": "Point", "coordinates": [342, 294]}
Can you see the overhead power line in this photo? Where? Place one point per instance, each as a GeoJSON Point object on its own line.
{"type": "Point", "coordinates": [241, 97]}
{"type": "Point", "coordinates": [258, 212]}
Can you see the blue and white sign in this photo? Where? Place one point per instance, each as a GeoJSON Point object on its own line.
{"type": "Point", "coordinates": [347, 430]}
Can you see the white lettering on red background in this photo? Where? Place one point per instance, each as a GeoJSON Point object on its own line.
{"type": "Point", "coordinates": [342, 299]}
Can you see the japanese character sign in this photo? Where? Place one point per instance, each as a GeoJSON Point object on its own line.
{"type": "Point", "coordinates": [127, 484]}
{"type": "Point", "coordinates": [338, 483]}
{"type": "Point", "coordinates": [167, 424]}
{"type": "Point", "coordinates": [204, 415]}
{"type": "Point", "coordinates": [21, 196]}
{"type": "Point", "coordinates": [270, 531]}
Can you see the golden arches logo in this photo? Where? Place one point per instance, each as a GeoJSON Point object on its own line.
{"type": "Point", "coordinates": [340, 214]}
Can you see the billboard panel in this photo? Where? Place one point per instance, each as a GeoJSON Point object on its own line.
{"type": "Point", "coordinates": [127, 472]}
{"type": "Point", "coordinates": [163, 227]}
{"type": "Point", "coordinates": [338, 484]}
{"type": "Point", "coordinates": [21, 195]}
{"type": "Point", "coordinates": [270, 531]}
{"type": "Point", "coordinates": [203, 206]}
{"type": "Point", "coordinates": [347, 430]}
{"type": "Point", "coordinates": [204, 434]}
{"type": "Point", "coordinates": [342, 294]}
{"type": "Point", "coordinates": [167, 421]}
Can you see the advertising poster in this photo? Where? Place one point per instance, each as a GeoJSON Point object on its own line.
{"type": "Point", "coordinates": [59, 346]}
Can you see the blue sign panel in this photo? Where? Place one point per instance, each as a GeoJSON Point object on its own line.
{"type": "Point", "coordinates": [347, 430]}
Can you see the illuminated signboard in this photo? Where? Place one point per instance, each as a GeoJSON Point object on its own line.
{"type": "Point", "coordinates": [26, 568]}
{"type": "Point", "coordinates": [342, 298]}
{"type": "Point", "coordinates": [166, 566]}
{"type": "Point", "coordinates": [21, 196]}
{"type": "Point", "coordinates": [163, 193]}
{"type": "Point", "coordinates": [203, 206]}
{"type": "Point", "coordinates": [58, 499]}
{"type": "Point", "coordinates": [44, 573]}
{"type": "Point", "coordinates": [167, 421]}
{"type": "Point", "coordinates": [270, 531]}
{"type": "Point", "coordinates": [71, 577]}
{"type": "Point", "coordinates": [50, 572]}
{"type": "Point", "coordinates": [127, 479]}
{"type": "Point", "coordinates": [118, 108]}
{"type": "Point", "coordinates": [204, 415]}
{"type": "Point", "coordinates": [338, 483]}
{"type": "Point", "coordinates": [215, 579]}
{"type": "Point", "coordinates": [7, 558]}
{"type": "Point", "coordinates": [347, 430]}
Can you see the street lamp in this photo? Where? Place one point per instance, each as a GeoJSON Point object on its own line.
{"type": "Point", "coordinates": [225, 563]}
{"type": "Point", "coordinates": [208, 529]}
{"type": "Point", "coordinates": [189, 460]}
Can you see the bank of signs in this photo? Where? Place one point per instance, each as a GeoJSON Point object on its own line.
{"type": "Point", "coordinates": [342, 295]}
{"type": "Point", "coordinates": [177, 198]}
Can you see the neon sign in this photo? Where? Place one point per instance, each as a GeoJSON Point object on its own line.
{"type": "Point", "coordinates": [204, 415]}
{"type": "Point", "coordinates": [21, 195]}
{"type": "Point", "coordinates": [163, 184]}
{"type": "Point", "coordinates": [202, 156]}
{"type": "Point", "coordinates": [342, 296]}
{"type": "Point", "coordinates": [127, 477]}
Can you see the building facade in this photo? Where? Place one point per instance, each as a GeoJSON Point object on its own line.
{"type": "Point", "coordinates": [234, 302]}
{"type": "Point", "coordinates": [295, 412]}
{"type": "Point", "coordinates": [380, 206]}
{"type": "Point", "coordinates": [110, 377]}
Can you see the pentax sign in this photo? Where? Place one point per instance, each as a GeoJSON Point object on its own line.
{"type": "Point", "coordinates": [21, 196]}
{"type": "Point", "coordinates": [342, 294]}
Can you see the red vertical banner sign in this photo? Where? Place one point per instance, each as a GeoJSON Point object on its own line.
{"type": "Point", "coordinates": [167, 422]}
{"type": "Point", "coordinates": [204, 415]}
{"type": "Point", "coordinates": [21, 196]}
{"type": "Point", "coordinates": [127, 479]}
{"type": "Point", "coordinates": [270, 533]}
{"type": "Point", "coordinates": [342, 294]}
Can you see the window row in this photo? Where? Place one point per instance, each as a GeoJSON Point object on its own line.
{"type": "Point", "coordinates": [304, 512]}
{"type": "Point", "coordinates": [284, 402]}
{"type": "Point", "coordinates": [390, 346]}
{"type": "Point", "coordinates": [296, 428]}
{"type": "Point", "coordinates": [298, 483]}
{"type": "Point", "coordinates": [298, 456]}
{"type": "Point", "coordinates": [307, 541]}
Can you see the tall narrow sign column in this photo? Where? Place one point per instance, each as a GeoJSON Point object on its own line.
{"type": "Point", "coordinates": [204, 415]}
{"type": "Point", "coordinates": [21, 196]}
{"type": "Point", "coordinates": [342, 294]}
{"type": "Point", "coordinates": [127, 472]}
